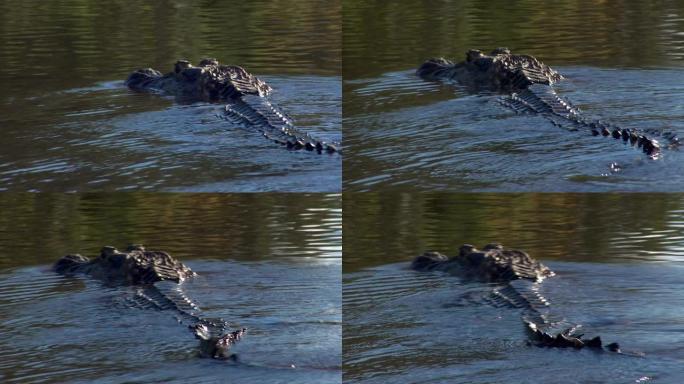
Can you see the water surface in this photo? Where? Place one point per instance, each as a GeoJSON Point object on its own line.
{"type": "Point", "coordinates": [622, 64]}
{"type": "Point", "coordinates": [270, 263]}
{"type": "Point", "coordinates": [69, 124]}
{"type": "Point", "coordinates": [619, 274]}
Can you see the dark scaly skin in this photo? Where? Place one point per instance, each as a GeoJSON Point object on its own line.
{"type": "Point", "coordinates": [495, 264]}
{"type": "Point", "coordinates": [139, 267]}
{"type": "Point", "coordinates": [528, 82]}
{"type": "Point", "coordinates": [244, 95]}
{"type": "Point", "coordinates": [136, 266]}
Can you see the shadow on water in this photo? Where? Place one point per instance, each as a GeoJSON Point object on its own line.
{"type": "Point", "coordinates": [270, 263]}
{"type": "Point", "coordinates": [69, 124]}
{"type": "Point", "coordinates": [619, 274]}
{"type": "Point", "coordinates": [404, 133]}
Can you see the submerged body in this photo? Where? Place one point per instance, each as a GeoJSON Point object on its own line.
{"type": "Point", "coordinates": [245, 96]}
{"type": "Point", "coordinates": [528, 84]}
{"type": "Point", "coordinates": [496, 264]}
{"type": "Point", "coordinates": [141, 268]}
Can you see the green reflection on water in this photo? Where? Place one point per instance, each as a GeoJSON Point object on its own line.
{"type": "Point", "coordinates": [386, 228]}
{"type": "Point", "coordinates": [382, 36]}
{"type": "Point", "coordinates": [39, 228]}
{"type": "Point", "coordinates": [65, 44]}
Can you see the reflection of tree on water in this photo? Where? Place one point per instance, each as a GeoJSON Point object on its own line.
{"type": "Point", "coordinates": [36, 228]}
{"type": "Point", "coordinates": [630, 34]}
{"type": "Point", "coordinates": [382, 228]}
{"type": "Point", "coordinates": [79, 36]}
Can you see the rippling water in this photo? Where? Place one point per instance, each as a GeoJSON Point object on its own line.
{"type": "Point", "coordinates": [622, 64]}
{"type": "Point", "coordinates": [267, 262]}
{"type": "Point", "coordinates": [421, 135]}
{"type": "Point", "coordinates": [69, 124]}
{"type": "Point", "coordinates": [619, 273]}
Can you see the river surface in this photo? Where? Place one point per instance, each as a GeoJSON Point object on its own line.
{"type": "Point", "coordinates": [270, 263]}
{"type": "Point", "coordinates": [69, 124]}
{"type": "Point", "coordinates": [622, 63]}
{"type": "Point", "coordinates": [619, 274]}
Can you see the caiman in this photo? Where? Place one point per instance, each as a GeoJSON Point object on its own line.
{"type": "Point", "coordinates": [527, 85]}
{"type": "Point", "coordinates": [519, 276]}
{"type": "Point", "coordinates": [145, 270]}
{"type": "Point", "coordinates": [244, 95]}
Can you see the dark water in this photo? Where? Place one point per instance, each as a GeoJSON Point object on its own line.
{"type": "Point", "coordinates": [619, 274]}
{"type": "Point", "coordinates": [271, 263]}
{"type": "Point", "coordinates": [69, 124]}
{"type": "Point", "coordinates": [622, 63]}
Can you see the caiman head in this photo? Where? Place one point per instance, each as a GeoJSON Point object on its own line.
{"type": "Point", "coordinates": [183, 69]}
{"type": "Point", "coordinates": [492, 263]}
{"type": "Point", "coordinates": [500, 71]}
{"type": "Point", "coordinates": [110, 261]}
{"type": "Point", "coordinates": [134, 266]}
{"type": "Point", "coordinates": [208, 81]}
{"type": "Point", "coordinates": [431, 260]}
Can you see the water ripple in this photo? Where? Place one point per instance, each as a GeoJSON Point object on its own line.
{"type": "Point", "coordinates": [270, 262]}
{"type": "Point", "coordinates": [460, 142]}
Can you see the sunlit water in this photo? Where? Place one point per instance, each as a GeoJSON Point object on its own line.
{"type": "Point", "coordinates": [281, 280]}
{"type": "Point", "coordinates": [622, 64]}
{"type": "Point", "coordinates": [618, 276]}
{"type": "Point", "coordinates": [69, 124]}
